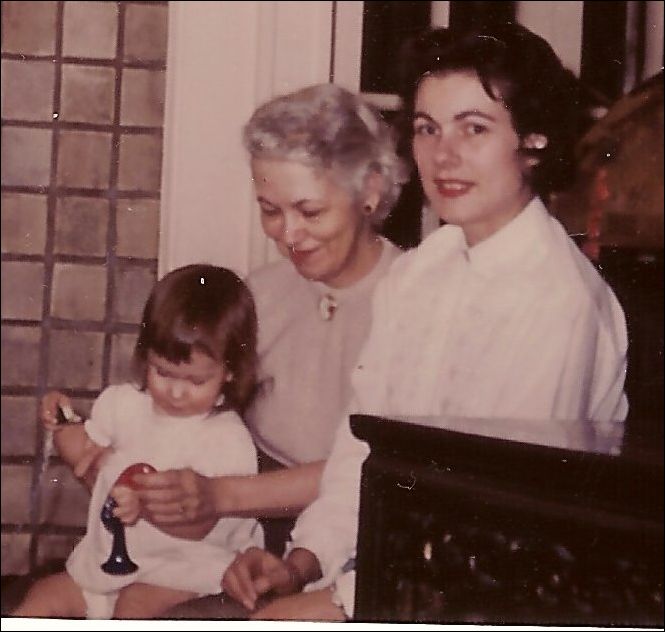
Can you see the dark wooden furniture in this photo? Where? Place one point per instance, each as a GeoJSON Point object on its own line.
{"type": "Point", "coordinates": [636, 276]}
{"type": "Point", "coordinates": [457, 528]}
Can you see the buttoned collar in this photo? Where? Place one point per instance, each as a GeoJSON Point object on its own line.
{"type": "Point", "coordinates": [520, 239]}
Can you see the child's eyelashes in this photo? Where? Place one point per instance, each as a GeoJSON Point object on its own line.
{"type": "Point", "coordinates": [270, 211]}
{"type": "Point", "coordinates": [196, 381]}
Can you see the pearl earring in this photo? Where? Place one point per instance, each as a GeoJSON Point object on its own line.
{"type": "Point", "coordinates": [536, 141]}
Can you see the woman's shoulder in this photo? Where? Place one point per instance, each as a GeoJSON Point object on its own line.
{"type": "Point", "coordinates": [390, 250]}
{"type": "Point", "coordinates": [575, 277]}
{"type": "Point", "coordinates": [281, 271]}
{"type": "Point", "coordinates": [273, 281]}
{"type": "Point", "coordinates": [407, 265]}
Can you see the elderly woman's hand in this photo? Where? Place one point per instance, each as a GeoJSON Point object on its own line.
{"type": "Point", "coordinates": [256, 572]}
{"type": "Point", "coordinates": [316, 605]}
{"type": "Point", "coordinates": [175, 496]}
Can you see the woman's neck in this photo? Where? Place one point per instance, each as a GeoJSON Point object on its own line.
{"type": "Point", "coordinates": [475, 233]}
{"type": "Point", "coordinates": [363, 256]}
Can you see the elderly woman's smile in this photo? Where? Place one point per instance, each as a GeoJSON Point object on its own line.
{"type": "Point", "coordinates": [314, 222]}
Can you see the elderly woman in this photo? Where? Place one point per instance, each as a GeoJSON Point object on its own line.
{"type": "Point", "coordinates": [326, 175]}
{"type": "Point", "coordinates": [496, 315]}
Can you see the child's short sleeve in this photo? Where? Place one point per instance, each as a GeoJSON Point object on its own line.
{"type": "Point", "coordinates": [102, 425]}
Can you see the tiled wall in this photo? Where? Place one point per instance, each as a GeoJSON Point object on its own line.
{"type": "Point", "coordinates": [82, 115]}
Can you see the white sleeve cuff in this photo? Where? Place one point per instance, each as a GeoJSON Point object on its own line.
{"type": "Point", "coordinates": [344, 592]}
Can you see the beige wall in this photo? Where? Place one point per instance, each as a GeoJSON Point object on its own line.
{"type": "Point", "coordinates": [224, 59]}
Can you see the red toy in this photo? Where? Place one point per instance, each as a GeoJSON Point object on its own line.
{"type": "Point", "coordinates": [126, 477]}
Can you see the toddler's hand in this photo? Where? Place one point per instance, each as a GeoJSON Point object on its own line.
{"type": "Point", "coordinates": [48, 411]}
{"type": "Point", "coordinates": [129, 505]}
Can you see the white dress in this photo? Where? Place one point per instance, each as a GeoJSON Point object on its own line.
{"type": "Point", "coordinates": [519, 327]}
{"type": "Point", "coordinates": [212, 445]}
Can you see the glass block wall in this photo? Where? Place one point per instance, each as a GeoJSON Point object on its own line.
{"type": "Point", "coordinates": [82, 116]}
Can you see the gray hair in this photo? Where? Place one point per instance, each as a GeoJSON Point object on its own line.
{"type": "Point", "coordinates": [327, 127]}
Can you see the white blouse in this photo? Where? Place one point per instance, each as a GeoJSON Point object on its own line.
{"type": "Point", "coordinates": [521, 327]}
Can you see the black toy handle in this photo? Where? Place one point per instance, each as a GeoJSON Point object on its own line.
{"type": "Point", "coordinates": [119, 562]}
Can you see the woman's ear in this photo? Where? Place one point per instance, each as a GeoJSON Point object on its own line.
{"type": "Point", "coordinates": [373, 187]}
{"type": "Point", "coordinates": [533, 141]}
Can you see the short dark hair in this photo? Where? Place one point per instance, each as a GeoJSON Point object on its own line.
{"type": "Point", "coordinates": [210, 309]}
{"type": "Point", "coordinates": [541, 95]}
